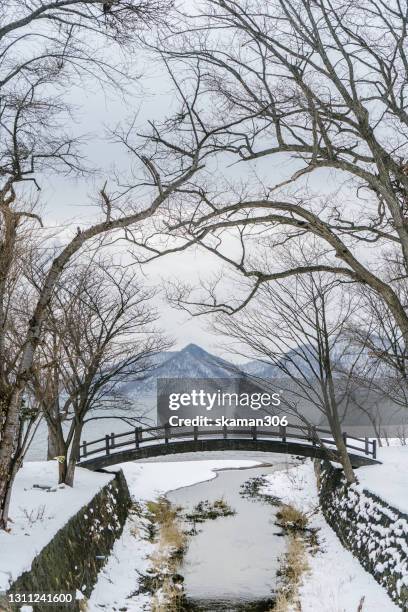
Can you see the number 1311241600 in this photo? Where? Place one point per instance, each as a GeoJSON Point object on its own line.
{"type": "Point", "coordinates": [43, 598]}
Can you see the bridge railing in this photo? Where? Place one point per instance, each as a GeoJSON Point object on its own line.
{"type": "Point", "coordinates": [139, 437]}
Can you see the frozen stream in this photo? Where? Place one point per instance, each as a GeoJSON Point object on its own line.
{"type": "Point", "coordinates": [231, 563]}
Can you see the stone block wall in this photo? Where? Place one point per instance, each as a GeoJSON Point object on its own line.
{"type": "Point", "coordinates": [375, 532]}
{"type": "Point", "coordinates": [72, 560]}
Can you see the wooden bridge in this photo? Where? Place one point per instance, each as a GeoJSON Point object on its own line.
{"type": "Point", "coordinates": [165, 440]}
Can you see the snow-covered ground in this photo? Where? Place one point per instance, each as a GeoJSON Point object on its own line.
{"type": "Point", "coordinates": [148, 480]}
{"type": "Point", "coordinates": [336, 581]}
{"type": "Point", "coordinates": [119, 578]}
{"type": "Point", "coordinates": [389, 480]}
{"type": "Point", "coordinates": [37, 515]}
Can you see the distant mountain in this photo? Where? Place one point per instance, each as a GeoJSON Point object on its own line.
{"type": "Point", "coordinates": [159, 358]}
{"type": "Point", "coordinates": [194, 362]}
{"type": "Point", "coordinates": [260, 369]}
{"type": "Point", "coordinates": [303, 361]}
{"type": "Point", "coordinates": [191, 362]}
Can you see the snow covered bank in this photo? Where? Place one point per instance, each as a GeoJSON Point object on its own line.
{"type": "Point", "coordinates": [336, 580]}
{"type": "Point", "coordinates": [118, 581]}
{"type": "Point", "coordinates": [37, 514]}
{"type": "Point", "coordinates": [389, 480]}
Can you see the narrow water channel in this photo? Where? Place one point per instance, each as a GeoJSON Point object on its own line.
{"type": "Point", "coordinates": [231, 563]}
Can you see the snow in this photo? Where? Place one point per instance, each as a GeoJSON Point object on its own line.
{"type": "Point", "coordinates": [118, 580]}
{"type": "Point", "coordinates": [37, 515]}
{"type": "Point", "coordinates": [336, 581]}
{"type": "Point", "coordinates": [338, 590]}
{"type": "Point", "coordinates": [149, 480]}
{"type": "Point", "coordinates": [388, 480]}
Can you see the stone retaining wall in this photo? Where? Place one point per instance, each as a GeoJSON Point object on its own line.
{"type": "Point", "coordinates": [375, 532]}
{"type": "Point", "coordinates": [72, 560]}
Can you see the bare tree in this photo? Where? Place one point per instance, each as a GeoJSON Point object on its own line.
{"type": "Point", "coordinates": [42, 46]}
{"type": "Point", "coordinates": [298, 326]}
{"type": "Point", "coordinates": [99, 337]}
{"type": "Point", "coordinates": [30, 419]}
{"type": "Point", "coordinates": [322, 84]}
{"type": "Point", "coordinates": [18, 248]}
{"type": "Point", "coordinates": [118, 212]}
{"type": "Point", "coordinates": [382, 376]}
{"type": "Point", "coordinates": [74, 38]}
{"type": "Point", "coordinates": [374, 327]}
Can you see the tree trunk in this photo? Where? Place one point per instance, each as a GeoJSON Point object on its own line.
{"type": "Point", "coordinates": [344, 456]}
{"type": "Point", "coordinates": [5, 505]}
{"type": "Point", "coordinates": [331, 405]}
{"type": "Point", "coordinates": [62, 469]}
{"type": "Point", "coordinates": [53, 447]}
{"type": "Point", "coordinates": [57, 447]}
{"type": "Point", "coordinates": [4, 508]}
{"type": "Point", "coordinates": [346, 463]}
{"type": "Point", "coordinates": [73, 456]}
{"type": "Point", "coordinates": [8, 449]}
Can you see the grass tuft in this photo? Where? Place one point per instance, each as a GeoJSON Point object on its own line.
{"type": "Point", "coordinates": [163, 580]}
{"type": "Point", "coordinates": [294, 562]}
{"type": "Point", "coordinates": [291, 518]}
{"type": "Point", "coordinates": [206, 510]}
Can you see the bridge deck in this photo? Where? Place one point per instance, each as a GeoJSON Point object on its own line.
{"type": "Point", "coordinates": [158, 441]}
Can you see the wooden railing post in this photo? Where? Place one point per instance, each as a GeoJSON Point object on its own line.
{"type": "Point", "coordinates": [112, 440]}
{"type": "Point", "coordinates": [374, 449]}
{"type": "Point", "coordinates": [195, 433]}
{"type": "Point", "coordinates": [224, 431]}
{"type": "Point", "coordinates": [84, 450]}
{"type": "Point", "coordinates": [107, 444]}
{"type": "Point", "coordinates": [283, 433]}
{"type": "Point", "coordinates": [314, 435]}
{"type": "Point", "coordinates": [254, 432]}
{"type": "Point", "coordinates": [366, 445]}
{"type": "Point", "coordinates": [166, 433]}
{"type": "Point", "coordinates": [137, 437]}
